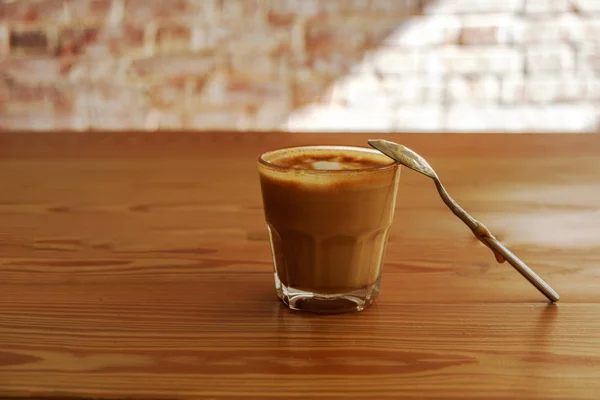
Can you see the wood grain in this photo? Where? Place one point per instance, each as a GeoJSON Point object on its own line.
{"type": "Point", "coordinates": [136, 265]}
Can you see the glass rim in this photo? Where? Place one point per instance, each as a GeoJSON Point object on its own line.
{"type": "Point", "coordinates": [268, 164]}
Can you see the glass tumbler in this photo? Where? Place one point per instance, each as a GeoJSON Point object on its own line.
{"type": "Point", "coordinates": [328, 223]}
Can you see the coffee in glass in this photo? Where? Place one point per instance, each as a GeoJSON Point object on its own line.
{"type": "Point", "coordinates": [328, 210]}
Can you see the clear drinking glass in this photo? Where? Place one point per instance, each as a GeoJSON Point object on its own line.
{"type": "Point", "coordinates": [328, 226]}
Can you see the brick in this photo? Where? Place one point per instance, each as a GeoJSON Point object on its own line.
{"type": "Point", "coordinates": [142, 11]}
{"type": "Point", "coordinates": [74, 41]}
{"type": "Point", "coordinates": [414, 89]}
{"type": "Point", "coordinates": [32, 70]}
{"type": "Point", "coordinates": [123, 40]}
{"type": "Point", "coordinates": [588, 57]}
{"type": "Point", "coordinates": [4, 95]}
{"type": "Point", "coordinates": [311, 8]}
{"type": "Point", "coordinates": [475, 89]}
{"type": "Point", "coordinates": [334, 64]}
{"type": "Point", "coordinates": [164, 67]}
{"type": "Point", "coordinates": [41, 121]}
{"type": "Point", "coordinates": [338, 6]}
{"type": "Point", "coordinates": [340, 35]}
{"type": "Point", "coordinates": [217, 35]}
{"type": "Point", "coordinates": [591, 30]}
{"type": "Point", "coordinates": [542, 89]}
{"type": "Point", "coordinates": [513, 90]}
{"type": "Point", "coordinates": [472, 6]}
{"type": "Point", "coordinates": [474, 118]}
{"type": "Point", "coordinates": [586, 6]}
{"type": "Point", "coordinates": [168, 95]}
{"type": "Point", "coordinates": [392, 60]}
{"type": "Point", "coordinates": [102, 121]}
{"type": "Point", "coordinates": [241, 10]}
{"type": "Point", "coordinates": [549, 57]}
{"type": "Point", "coordinates": [564, 89]}
{"type": "Point", "coordinates": [161, 119]}
{"type": "Point", "coordinates": [281, 20]}
{"type": "Point", "coordinates": [337, 118]}
{"type": "Point", "coordinates": [257, 41]}
{"type": "Point", "coordinates": [201, 39]}
{"type": "Point", "coordinates": [83, 12]}
{"type": "Point", "coordinates": [173, 38]}
{"type": "Point", "coordinates": [353, 34]}
{"type": "Point", "coordinates": [31, 12]}
{"type": "Point", "coordinates": [480, 36]}
{"type": "Point", "coordinates": [423, 31]}
{"type": "Point", "coordinates": [387, 90]}
{"type": "Point", "coordinates": [566, 27]}
{"type": "Point", "coordinates": [379, 32]}
{"type": "Point", "coordinates": [361, 90]}
{"type": "Point", "coordinates": [487, 29]}
{"type": "Point", "coordinates": [303, 9]}
{"type": "Point", "coordinates": [222, 90]}
{"type": "Point", "coordinates": [29, 42]}
{"type": "Point", "coordinates": [574, 117]}
{"type": "Point", "coordinates": [4, 41]}
{"type": "Point", "coordinates": [551, 118]}
{"type": "Point", "coordinates": [57, 12]}
{"type": "Point", "coordinates": [473, 60]}
{"type": "Point", "coordinates": [26, 95]}
{"type": "Point", "coordinates": [398, 7]}
{"type": "Point", "coordinates": [92, 70]}
{"type": "Point", "coordinates": [258, 66]}
{"type": "Point", "coordinates": [111, 106]}
{"type": "Point", "coordinates": [592, 86]}
{"type": "Point", "coordinates": [116, 14]}
{"type": "Point", "coordinates": [13, 11]}
{"type": "Point", "coordinates": [551, 88]}
{"type": "Point", "coordinates": [104, 98]}
{"type": "Point", "coordinates": [214, 90]}
{"type": "Point", "coordinates": [418, 119]}
{"type": "Point", "coordinates": [253, 93]}
{"type": "Point", "coordinates": [298, 41]}
{"type": "Point", "coordinates": [352, 89]}
{"type": "Point", "coordinates": [546, 6]}
{"type": "Point", "coordinates": [269, 116]}
{"type": "Point", "coordinates": [213, 35]}
{"type": "Point", "coordinates": [217, 118]}
{"type": "Point", "coordinates": [312, 91]}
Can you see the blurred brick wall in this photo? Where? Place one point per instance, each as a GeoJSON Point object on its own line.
{"type": "Point", "coordinates": [516, 65]}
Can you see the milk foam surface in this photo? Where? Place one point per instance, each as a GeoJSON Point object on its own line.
{"type": "Point", "coordinates": [324, 167]}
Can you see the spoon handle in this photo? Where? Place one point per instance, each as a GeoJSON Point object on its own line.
{"type": "Point", "coordinates": [520, 266]}
{"type": "Point", "coordinates": [500, 251]}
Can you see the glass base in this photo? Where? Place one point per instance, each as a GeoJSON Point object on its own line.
{"type": "Point", "coordinates": [300, 300]}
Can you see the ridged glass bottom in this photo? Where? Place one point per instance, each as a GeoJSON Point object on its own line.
{"type": "Point", "coordinates": [337, 303]}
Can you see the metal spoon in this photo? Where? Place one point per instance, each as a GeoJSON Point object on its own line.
{"type": "Point", "coordinates": [412, 160]}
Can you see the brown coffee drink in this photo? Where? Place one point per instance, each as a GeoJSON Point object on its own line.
{"type": "Point", "coordinates": [328, 210]}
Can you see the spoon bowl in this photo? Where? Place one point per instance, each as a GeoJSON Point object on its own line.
{"type": "Point", "coordinates": [404, 156]}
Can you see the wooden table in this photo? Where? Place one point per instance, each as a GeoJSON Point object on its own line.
{"type": "Point", "coordinates": [137, 265]}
